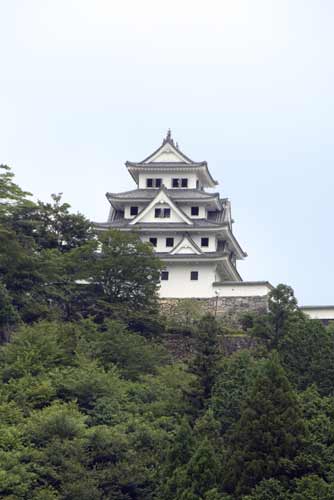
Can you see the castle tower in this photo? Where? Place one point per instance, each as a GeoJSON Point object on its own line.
{"type": "Point", "coordinates": [189, 227]}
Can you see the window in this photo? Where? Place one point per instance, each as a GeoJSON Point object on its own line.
{"type": "Point", "coordinates": [162, 213]}
{"type": "Point", "coordinates": [194, 211]}
{"type": "Point", "coordinates": [204, 242]}
{"type": "Point", "coordinates": [153, 183]}
{"type": "Point", "coordinates": [164, 275]}
{"type": "Point", "coordinates": [194, 275]}
{"type": "Point", "coordinates": [154, 241]}
{"type": "Point", "coordinates": [169, 242]}
{"type": "Point", "coordinates": [177, 183]}
{"type": "Point", "coordinates": [133, 210]}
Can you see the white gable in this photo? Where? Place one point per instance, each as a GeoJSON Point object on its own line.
{"type": "Point", "coordinates": [162, 201]}
{"type": "Point", "coordinates": [186, 246]}
{"type": "Point", "coordinates": [167, 153]}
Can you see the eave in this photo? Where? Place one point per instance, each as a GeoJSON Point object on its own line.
{"type": "Point", "coordinates": [202, 168]}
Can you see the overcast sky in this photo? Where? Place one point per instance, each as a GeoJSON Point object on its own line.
{"type": "Point", "coordinates": [247, 85]}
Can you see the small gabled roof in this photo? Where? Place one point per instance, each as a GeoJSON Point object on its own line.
{"type": "Point", "coordinates": [168, 140]}
{"type": "Point", "coordinates": [169, 156]}
{"type": "Point", "coordinates": [186, 240]}
{"type": "Point", "coordinates": [162, 196]}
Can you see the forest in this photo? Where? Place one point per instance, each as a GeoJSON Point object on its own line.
{"type": "Point", "coordinates": [94, 406]}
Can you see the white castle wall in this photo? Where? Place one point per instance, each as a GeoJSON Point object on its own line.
{"type": "Point", "coordinates": [179, 284]}
{"type": "Point", "coordinates": [167, 179]}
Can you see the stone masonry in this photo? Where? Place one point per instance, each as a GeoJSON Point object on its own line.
{"type": "Point", "coordinates": [230, 309]}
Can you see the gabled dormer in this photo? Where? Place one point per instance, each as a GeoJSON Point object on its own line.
{"type": "Point", "coordinates": [160, 210]}
{"type": "Point", "coordinates": [170, 167]}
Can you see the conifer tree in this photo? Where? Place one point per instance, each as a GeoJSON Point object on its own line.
{"type": "Point", "coordinates": [204, 363]}
{"type": "Point", "coordinates": [268, 435]}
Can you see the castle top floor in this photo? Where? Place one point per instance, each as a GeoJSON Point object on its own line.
{"type": "Point", "coordinates": [169, 167]}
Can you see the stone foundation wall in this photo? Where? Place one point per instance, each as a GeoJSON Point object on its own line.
{"type": "Point", "coordinates": [181, 347]}
{"type": "Point", "coordinates": [231, 309]}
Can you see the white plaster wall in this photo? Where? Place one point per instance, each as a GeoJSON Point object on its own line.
{"type": "Point", "coordinates": [127, 210]}
{"type": "Point", "coordinates": [202, 212]}
{"type": "Point", "coordinates": [242, 290]}
{"type": "Point", "coordinates": [212, 242]}
{"type": "Point", "coordinates": [149, 217]}
{"type": "Point", "coordinates": [161, 243]}
{"type": "Point", "coordinates": [179, 284]}
{"type": "Point", "coordinates": [319, 312]}
{"type": "Point", "coordinates": [167, 178]}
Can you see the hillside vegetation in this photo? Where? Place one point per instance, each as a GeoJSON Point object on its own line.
{"type": "Point", "coordinates": [93, 407]}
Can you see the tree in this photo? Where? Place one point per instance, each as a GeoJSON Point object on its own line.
{"type": "Point", "coordinates": [204, 363]}
{"type": "Point", "coordinates": [124, 274]}
{"type": "Point", "coordinates": [9, 316]}
{"type": "Point", "coordinates": [52, 225]}
{"type": "Point", "coordinates": [11, 194]}
{"type": "Point", "coordinates": [307, 353]}
{"type": "Point", "coordinates": [234, 378]}
{"type": "Point", "coordinates": [282, 306]}
{"type": "Point", "coordinates": [269, 434]}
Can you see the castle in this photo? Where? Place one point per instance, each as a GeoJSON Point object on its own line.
{"type": "Point", "coordinates": [191, 230]}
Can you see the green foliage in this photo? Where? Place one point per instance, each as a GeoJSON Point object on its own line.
{"type": "Point", "coordinates": [232, 383]}
{"type": "Point", "coordinates": [92, 406]}
{"type": "Point", "coordinates": [269, 434]}
{"type": "Point", "coordinates": [204, 362]}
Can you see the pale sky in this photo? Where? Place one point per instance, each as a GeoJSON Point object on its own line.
{"type": "Point", "coordinates": [247, 85]}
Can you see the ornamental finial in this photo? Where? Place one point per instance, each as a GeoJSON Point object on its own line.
{"type": "Point", "coordinates": [168, 138]}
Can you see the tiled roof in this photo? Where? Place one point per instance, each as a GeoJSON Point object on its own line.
{"type": "Point", "coordinates": [148, 194]}
{"type": "Point", "coordinates": [198, 223]}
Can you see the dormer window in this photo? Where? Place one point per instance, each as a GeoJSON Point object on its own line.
{"type": "Point", "coordinates": [153, 183]}
{"type": "Point", "coordinates": [162, 213]}
{"type": "Point", "coordinates": [180, 183]}
{"type": "Point", "coordinates": [133, 211]}
{"type": "Point", "coordinates": [194, 211]}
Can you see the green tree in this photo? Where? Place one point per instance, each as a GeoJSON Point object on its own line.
{"type": "Point", "coordinates": [235, 375]}
{"type": "Point", "coordinates": [268, 436]}
{"type": "Point", "coordinates": [204, 363]}
{"type": "Point", "coordinates": [11, 195]}
{"type": "Point", "coordinates": [9, 316]}
{"type": "Point", "coordinates": [282, 305]}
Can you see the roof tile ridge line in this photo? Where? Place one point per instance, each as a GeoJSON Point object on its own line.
{"type": "Point", "coordinates": [163, 189]}
{"type": "Point", "coordinates": [193, 242]}
{"type": "Point", "coordinates": [160, 147]}
{"type": "Point", "coordinates": [192, 163]}
{"type": "Point", "coordinates": [236, 242]}
{"type": "Point", "coordinates": [185, 236]}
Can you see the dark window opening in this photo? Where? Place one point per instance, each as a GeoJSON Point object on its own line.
{"type": "Point", "coordinates": [194, 275]}
{"type": "Point", "coordinates": [175, 183]}
{"type": "Point", "coordinates": [197, 184]}
{"type": "Point", "coordinates": [158, 183]}
{"type": "Point", "coordinates": [169, 242]}
{"type": "Point", "coordinates": [162, 213]}
{"type": "Point", "coordinates": [194, 210]}
{"type": "Point", "coordinates": [149, 183]}
{"type": "Point", "coordinates": [164, 275]}
{"type": "Point", "coordinates": [184, 183]}
{"type": "Point", "coordinates": [133, 210]}
{"type": "Point", "coordinates": [154, 241]}
{"type": "Point", "coordinates": [204, 242]}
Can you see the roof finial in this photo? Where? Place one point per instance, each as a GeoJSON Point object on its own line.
{"type": "Point", "coordinates": [168, 138]}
